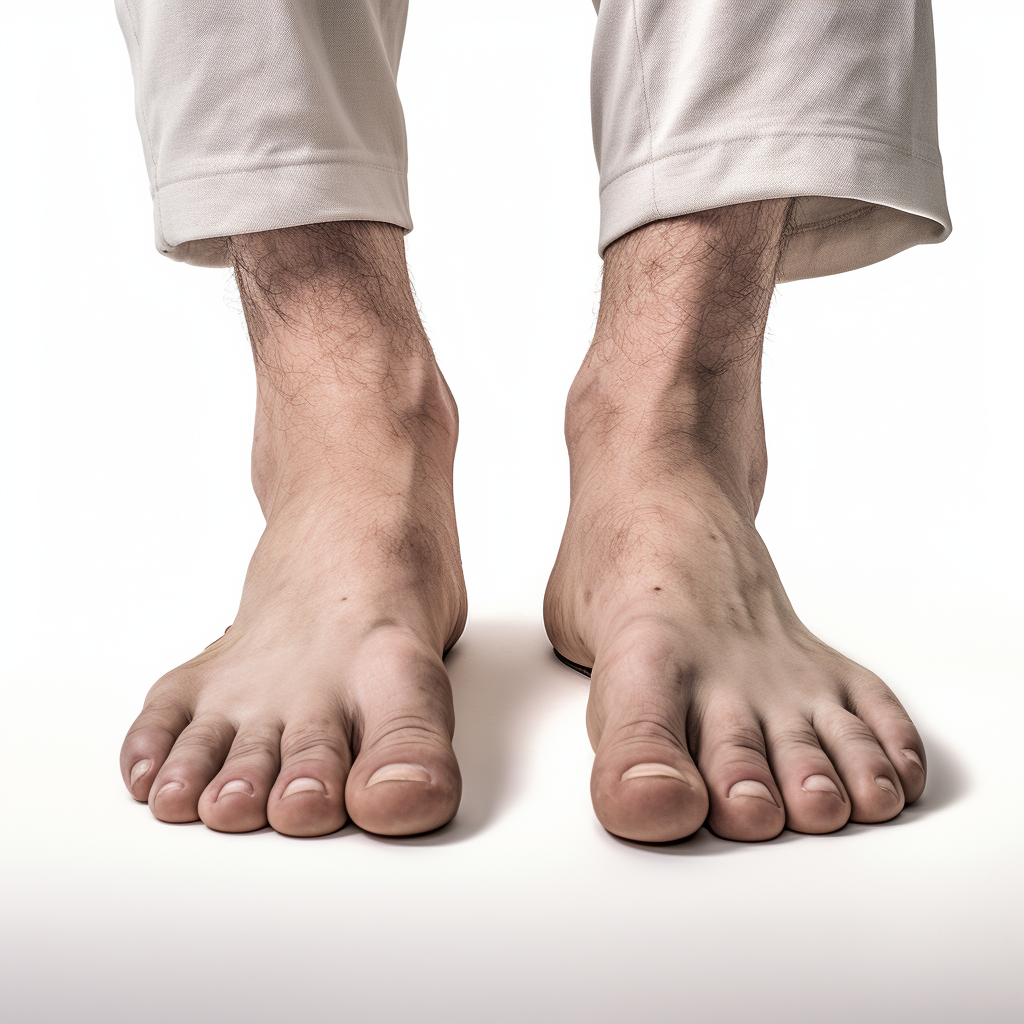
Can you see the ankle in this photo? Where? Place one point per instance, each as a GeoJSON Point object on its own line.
{"type": "Point", "coordinates": [379, 419]}
{"type": "Point", "coordinates": [665, 430]}
{"type": "Point", "coordinates": [672, 379]}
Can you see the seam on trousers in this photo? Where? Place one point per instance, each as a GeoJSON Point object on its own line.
{"type": "Point", "coordinates": [773, 135]}
{"type": "Point", "coordinates": [278, 167]}
{"type": "Point", "coordinates": [829, 222]}
{"type": "Point", "coordinates": [142, 115]}
{"type": "Point", "coordinates": [647, 109]}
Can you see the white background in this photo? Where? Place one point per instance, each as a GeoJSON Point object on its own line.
{"type": "Point", "coordinates": [892, 510]}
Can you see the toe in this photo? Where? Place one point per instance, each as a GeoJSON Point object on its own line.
{"type": "Point", "coordinates": [877, 706]}
{"type": "Point", "coordinates": [876, 792]}
{"type": "Point", "coordinates": [151, 738]}
{"type": "Point", "coordinates": [406, 779]}
{"type": "Point", "coordinates": [812, 791]}
{"type": "Point", "coordinates": [745, 801]}
{"type": "Point", "coordinates": [309, 796]}
{"type": "Point", "coordinates": [193, 761]}
{"type": "Point", "coordinates": [236, 799]}
{"type": "Point", "coordinates": [644, 785]}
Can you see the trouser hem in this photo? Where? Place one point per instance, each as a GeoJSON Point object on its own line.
{"type": "Point", "coordinates": [858, 200]}
{"type": "Point", "coordinates": [195, 216]}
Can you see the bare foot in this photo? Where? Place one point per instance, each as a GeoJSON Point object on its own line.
{"type": "Point", "coordinates": [709, 698]}
{"type": "Point", "coordinates": [327, 698]}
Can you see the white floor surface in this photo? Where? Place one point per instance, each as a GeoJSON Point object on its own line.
{"type": "Point", "coordinates": [893, 512]}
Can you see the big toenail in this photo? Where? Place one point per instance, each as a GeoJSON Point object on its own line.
{"type": "Point", "coordinates": [912, 755]}
{"type": "Point", "coordinates": [883, 783]}
{"type": "Point", "coordinates": [168, 786]}
{"type": "Point", "coordinates": [820, 784]}
{"type": "Point", "coordinates": [399, 773]}
{"type": "Point", "coordinates": [643, 771]}
{"type": "Point", "coordinates": [235, 786]}
{"type": "Point", "coordinates": [139, 769]}
{"type": "Point", "coordinates": [303, 786]}
{"type": "Point", "coordinates": [748, 787]}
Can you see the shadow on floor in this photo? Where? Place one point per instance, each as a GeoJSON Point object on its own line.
{"type": "Point", "coordinates": [503, 674]}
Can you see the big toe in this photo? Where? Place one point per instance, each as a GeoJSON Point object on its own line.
{"type": "Point", "coordinates": [416, 789]}
{"type": "Point", "coordinates": [645, 786]}
{"type": "Point", "coordinates": [406, 778]}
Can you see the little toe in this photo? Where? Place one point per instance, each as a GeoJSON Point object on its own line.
{"type": "Point", "coordinates": [193, 761]}
{"type": "Point", "coordinates": [875, 704]}
{"type": "Point", "coordinates": [876, 792]}
{"type": "Point", "coordinates": [150, 739]}
{"type": "Point", "coordinates": [236, 799]}
{"type": "Point", "coordinates": [745, 801]}
{"type": "Point", "coordinates": [813, 794]}
{"type": "Point", "coordinates": [308, 798]}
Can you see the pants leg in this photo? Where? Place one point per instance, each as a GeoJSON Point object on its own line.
{"type": "Point", "coordinates": [263, 114]}
{"type": "Point", "coordinates": [705, 103]}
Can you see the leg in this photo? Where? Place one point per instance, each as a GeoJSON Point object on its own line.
{"type": "Point", "coordinates": [739, 145]}
{"type": "Point", "coordinates": [285, 158]}
{"type": "Point", "coordinates": [708, 693]}
{"type": "Point", "coordinates": [328, 694]}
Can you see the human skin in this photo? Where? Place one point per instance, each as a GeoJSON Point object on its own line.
{"type": "Point", "coordinates": [327, 699]}
{"type": "Point", "coordinates": [702, 673]}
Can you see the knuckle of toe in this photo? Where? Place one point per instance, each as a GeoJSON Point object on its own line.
{"type": "Point", "coordinates": [401, 728]}
{"type": "Point", "coordinates": [252, 748]}
{"type": "Point", "coordinates": [849, 729]}
{"type": "Point", "coordinates": [312, 740]}
{"type": "Point", "coordinates": [793, 741]}
{"type": "Point", "coordinates": [746, 738]}
{"type": "Point", "coordinates": [871, 694]}
{"type": "Point", "coordinates": [172, 690]}
{"type": "Point", "coordinates": [648, 728]}
{"type": "Point", "coordinates": [206, 732]}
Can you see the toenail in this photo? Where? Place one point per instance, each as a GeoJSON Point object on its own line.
{"type": "Point", "coordinates": [303, 786]}
{"type": "Point", "coordinates": [235, 786]}
{"type": "Point", "coordinates": [643, 771]}
{"type": "Point", "coordinates": [883, 783]}
{"type": "Point", "coordinates": [399, 773]}
{"type": "Point", "coordinates": [748, 787]}
{"type": "Point", "coordinates": [139, 769]}
{"type": "Point", "coordinates": [912, 755]}
{"type": "Point", "coordinates": [167, 786]}
{"type": "Point", "coordinates": [820, 784]}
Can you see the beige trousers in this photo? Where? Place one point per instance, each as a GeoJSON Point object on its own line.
{"type": "Point", "coordinates": [262, 114]}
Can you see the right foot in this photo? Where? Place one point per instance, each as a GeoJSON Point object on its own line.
{"type": "Point", "coordinates": [327, 698]}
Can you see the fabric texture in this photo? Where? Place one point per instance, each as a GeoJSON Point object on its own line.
{"type": "Point", "coordinates": [262, 114]}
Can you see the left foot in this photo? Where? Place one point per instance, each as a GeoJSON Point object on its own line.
{"type": "Point", "coordinates": [710, 700]}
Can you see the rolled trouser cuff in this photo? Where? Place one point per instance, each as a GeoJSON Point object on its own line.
{"type": "Point", "coordinates": [258, 115]}
{"type": "Point", "coordinates": [195, 217]}
{"type": "Point", "coordinates": [710, 103]}
{"type": "Point", "coordinates": [858, 200]}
